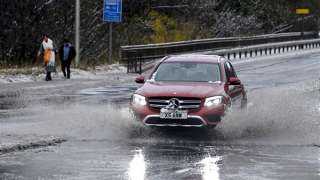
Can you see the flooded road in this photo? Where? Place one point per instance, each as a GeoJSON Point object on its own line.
{"type": "Point", "coordinates": [277, 137]}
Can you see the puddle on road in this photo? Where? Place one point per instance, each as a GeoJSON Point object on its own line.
{"type": "Point", "coordinates": [242, 142]}
{"type": "Point", "coordinates": [12, 100]}
{"type": "Point", "coordinates": [109, 90]}
{"type": "Point", "coordinates": [277, 116]}
{"type": "Point", "coordinates": [206, 168]}
{"type": "Point", "coordinates": [111, 94]}
{"type": "Point", "coordinates": [57, 100]}
{"type": "Point", "coordinates": [4, 114]}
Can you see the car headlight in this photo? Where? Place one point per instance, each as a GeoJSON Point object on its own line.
{"type": "Point", "coordinates": [213, 101]}
{"type": "Point", "coordinates": [139, 100]}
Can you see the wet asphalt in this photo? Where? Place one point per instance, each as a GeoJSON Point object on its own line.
{"type": "Point", "coordinates": [277, 137]}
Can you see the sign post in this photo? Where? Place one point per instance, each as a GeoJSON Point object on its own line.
{"type": "Point", "coordinates": [112, 12]}
{"type": "Point", "coordinates": [77, 28]}
{"type": "Point", "coordinates": [302, 12]}
{"type": "Point", "coordinates": [110, 42]}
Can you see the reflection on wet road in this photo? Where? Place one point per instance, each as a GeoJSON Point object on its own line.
{"type": "Point", "coordinates": [97, 160]}
{"type": "Point", "coordinates": [207, 168]}
{"type": "Point", "coordinates": [137, 166]}
{"type": "Point", "coordinates": [210, 168]}
{"type": "Point", "coordinates": [277, 137]}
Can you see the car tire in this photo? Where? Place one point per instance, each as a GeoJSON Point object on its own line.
{"type": "Point", "coordinates": [211, 126]}
{"type": "Point", "coordinates": [244, 104]}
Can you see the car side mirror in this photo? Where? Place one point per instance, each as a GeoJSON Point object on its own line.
{"type": "Point", "coordinates": [234, 81]}
{"type": "Point", "coordinates": [140, 80]}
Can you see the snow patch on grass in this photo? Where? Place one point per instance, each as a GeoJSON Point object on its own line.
{"type": "Point", "coordinates": [38, 74]}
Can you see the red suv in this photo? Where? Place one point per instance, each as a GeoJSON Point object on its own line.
{"type": "Point", "coordinates": [188, 91]}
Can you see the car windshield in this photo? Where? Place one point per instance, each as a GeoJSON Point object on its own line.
{"type": "Point", "coordinates": [187, 72]}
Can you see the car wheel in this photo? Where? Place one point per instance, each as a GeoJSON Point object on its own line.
{"type": "Point", "coordinates": [244, 103]}
{"type": "Point", "coordinates": [211, 126]}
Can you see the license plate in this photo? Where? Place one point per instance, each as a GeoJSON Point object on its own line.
{"type": "Point", "coordinates": [173, 114]}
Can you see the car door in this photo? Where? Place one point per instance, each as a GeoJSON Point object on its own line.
{"type": "Point", "coordinates": [234, 91]}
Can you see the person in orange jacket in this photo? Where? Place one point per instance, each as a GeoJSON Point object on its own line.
{"type": "Point", "coordinates": [48, 52]}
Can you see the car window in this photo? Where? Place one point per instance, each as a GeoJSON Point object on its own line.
{"type": "Point", "coordinates": [230, 72]}
{"type": "Point", "coordinates": [188, 71]}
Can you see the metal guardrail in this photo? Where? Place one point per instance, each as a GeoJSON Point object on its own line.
{"type": "Point", "coordinates": [267, 49]}
{"type": "Point", "coordinates": [135, 56]}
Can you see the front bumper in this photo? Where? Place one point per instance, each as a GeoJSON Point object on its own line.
{"type": "Point", "coordinates": [196, 117]}
{"type": "Point", "coordinates": [192, 121]}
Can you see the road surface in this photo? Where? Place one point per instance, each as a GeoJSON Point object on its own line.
{"type": "Point", "coordinates": [277, 137]}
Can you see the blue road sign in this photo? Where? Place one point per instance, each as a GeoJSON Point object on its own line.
{"type": "Point", "coordinates": [112, 10]}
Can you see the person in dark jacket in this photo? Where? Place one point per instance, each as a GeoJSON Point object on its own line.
{"type": "Point", "coordinates": [67, 53]}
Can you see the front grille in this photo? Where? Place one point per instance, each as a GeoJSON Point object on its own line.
{"type": "Point", "coordinates": [184, 103]}
{"type": "Point", "coordinates": [157, 121]}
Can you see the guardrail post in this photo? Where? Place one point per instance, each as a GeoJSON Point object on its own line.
{"type": "Point", "coordinates": [140, 65]}
{"type": "Point", "coordinates": [135, 66]}
{"type": "Point", "coordinates": [128, 66]}
{"type": "Point", "coordinates": [301, 46]}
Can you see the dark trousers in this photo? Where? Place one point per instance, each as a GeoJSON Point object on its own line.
{"type": "Point", "coordinates": [48, 76]}
{"type": "Point", "coordinates": [65, 65]}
